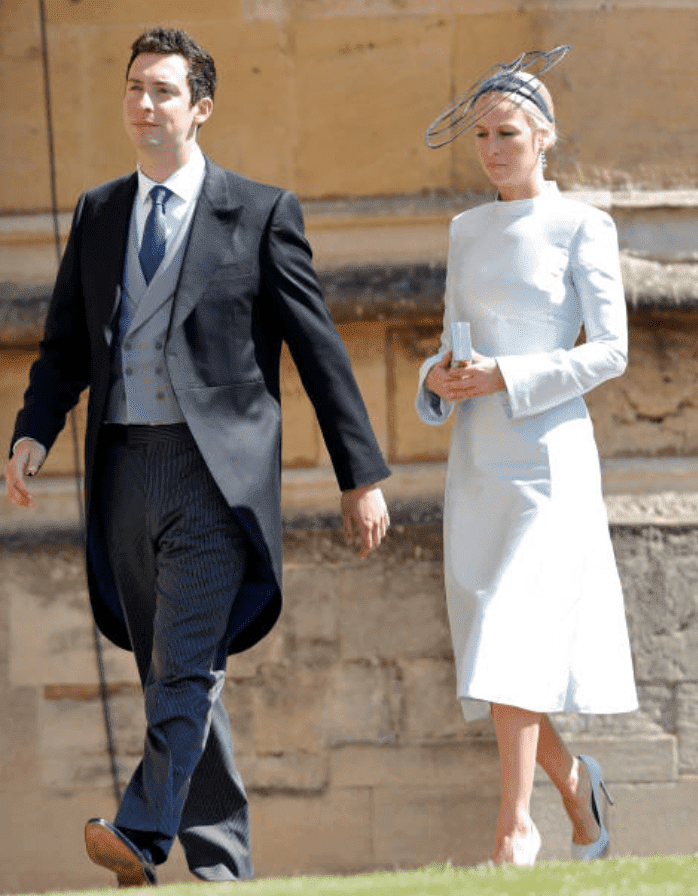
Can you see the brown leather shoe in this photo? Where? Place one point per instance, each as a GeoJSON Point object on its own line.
{"type": "Point", "coordinates": [111, 849]}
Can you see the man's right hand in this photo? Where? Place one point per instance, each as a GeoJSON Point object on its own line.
{"type": "Point", "coordinates": [27, 457]}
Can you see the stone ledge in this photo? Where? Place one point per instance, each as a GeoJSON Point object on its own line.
{"type": "Point", "coordinates": [387, 291]}
{"type": "Point", "coordinates": [624, 760]}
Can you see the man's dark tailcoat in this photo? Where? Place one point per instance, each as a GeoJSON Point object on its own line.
{"type": "Point", "coordinates": [246, 285]}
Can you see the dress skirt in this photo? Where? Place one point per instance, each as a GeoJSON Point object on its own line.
{"type": "Point", "coordinates": [534, 598]}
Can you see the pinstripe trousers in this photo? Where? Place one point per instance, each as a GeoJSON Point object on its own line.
{"type": "Point", "coordinates": [178, 558]}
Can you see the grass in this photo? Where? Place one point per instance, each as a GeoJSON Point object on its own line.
{"type": "Point", "coordinates": [663, 876]}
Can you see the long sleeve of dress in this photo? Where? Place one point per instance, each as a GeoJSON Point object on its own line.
{"type": "Point", "coordinates": [538, 382]}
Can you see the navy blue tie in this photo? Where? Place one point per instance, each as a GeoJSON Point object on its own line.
{"type": "Point", "coordinates": [153, 244]}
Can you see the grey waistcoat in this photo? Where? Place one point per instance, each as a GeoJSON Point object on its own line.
{"type": "Point", "coordinates": [140, 390]}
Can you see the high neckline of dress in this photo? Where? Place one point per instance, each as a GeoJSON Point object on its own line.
{"type": "Point", "coordinates": [523, 206]}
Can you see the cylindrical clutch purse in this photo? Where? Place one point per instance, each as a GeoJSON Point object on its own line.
{"type": "Point", "coordinates": [460, 341]}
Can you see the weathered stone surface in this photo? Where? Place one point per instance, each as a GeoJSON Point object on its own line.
{"type": "Point", "coordinates": [50, 620]}
{"type": "Point", "coordinates": [336, 73]}
{"type": "Point", "coordinates": [313, 606]}
{"type": "Point", "coordinates": [19, 730]}
{"type": "Point", "coordinates": [288, 772]}
{"type": "Point", "coordinates": [239, 700]}
{"type": "Point", "coordinates": [653, 408]}
{"type": "Point", "coordinates": [362, 703]}
{"type": "Point", "coordinates": [399, 613]}
{"type": "Point", "coordinates": [328, 833]}
{"type": "Point", "coordinates": [344, 712]}
{"type": "Point", "coordinates": [72, 744]}
{"type": "Point", "coordinates": [431, 709]}
{"type": "Point", "coordinates": [270, 651]}
{"type": "Point", "coordinates": [655, 819]}
{"type": "Point", "coordinates": [641, 759]}
{"type": "Point", "coordinates": [687, 724]}
{"type": "Point", "coordinates": [290, 710]}
{"type": "Point", "coordinates": [659, 572]}
{"type": "Point", "coordinates": [435, 765]}
{"type": "Point", "coordinates": [417, 825]}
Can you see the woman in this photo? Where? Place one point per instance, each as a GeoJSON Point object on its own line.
{"type": "Point", "coordinates": [534, 598]}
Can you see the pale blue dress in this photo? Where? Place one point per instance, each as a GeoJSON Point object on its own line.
{"type": "Point", "coordinates": [534, 598]}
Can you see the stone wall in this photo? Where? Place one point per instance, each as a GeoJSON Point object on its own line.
{"type": "Point", "coordinates": [332, 97]}
{"type": "Point", "coordinates": [346, 726]}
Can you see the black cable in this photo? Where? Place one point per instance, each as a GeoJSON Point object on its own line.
{"type": "Point", "coordinates": [99, 651]}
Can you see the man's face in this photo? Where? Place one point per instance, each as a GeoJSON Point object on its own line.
{"type": "Point", "coordinates": [159, 116]}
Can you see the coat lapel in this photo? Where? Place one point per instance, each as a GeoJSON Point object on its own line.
{"type": "Point", "coordinates": [110, 235]}
{"type": "Point", "coordinates": [211, 241]}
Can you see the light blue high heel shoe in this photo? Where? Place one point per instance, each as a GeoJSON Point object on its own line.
{"type": "Point", "coordinates": [600, 845]}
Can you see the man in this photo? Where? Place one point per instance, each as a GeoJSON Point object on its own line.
{"type": "Point", "coordinates": [177, 287]}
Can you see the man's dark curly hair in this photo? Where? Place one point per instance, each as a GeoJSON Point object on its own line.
{"type": "Point", "coordinates": [165, 41]}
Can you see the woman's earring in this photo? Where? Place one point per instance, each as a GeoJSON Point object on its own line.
{"type": "Point", "coordinates": [543, 160]}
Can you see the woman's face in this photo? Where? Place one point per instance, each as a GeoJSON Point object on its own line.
{"type": "Point", "coordinates": [509, 149]}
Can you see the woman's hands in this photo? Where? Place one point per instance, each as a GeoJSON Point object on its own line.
{"type": "Point", "coordinates": [481, 376]}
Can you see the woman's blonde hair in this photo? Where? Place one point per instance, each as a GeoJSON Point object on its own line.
{"type": "Point", "coordinates": [531, 96]}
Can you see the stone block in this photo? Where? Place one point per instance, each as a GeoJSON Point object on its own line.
{"type": "Point", "coordinates": [343, 118]}
{"type": "Point", "coordinates": [469, 763]}
{"type": "Point", "coordinates": [413, 440]}
{"type": "Point", "coordinates": [18, 739]}
{"type": "Point", "coordinates": [290, 710]}
{"type": "Point", "coordinates": [399, 611]}
{"type": "Point", "coordinates": [300, 446]}
{"type": "Point", "coordinates": [658, 705]}
{"type": "Point", "coordinates": [415, 826]}
{"type": "Point", "coordinates": [687, 725]}
{"type": "Point", "coordinates": [14, 378]}
{"type": "Point", "coordinates": [72, 742]}
{"type": "Point", "coordinates": [651, 409]}
{"type": "Point", "coordinates": [659, 574]}
{"type": "Point", "coordinates": [287, 773]}
{"type": "Point", "coordinates": [42, 845]}
{"type": "Point", "coordinates": [312, 604]}
{"type": "Point", "coordinates": [51, 633]}
{"type": "Point", "coordinates": [269, 651]}
{"type": "Point", "coordinates": [652, 820]}
{"type": "Point", "coordinates": [24, 184]}
{"type": "Point", "coordinates": [430, 707]}
{"type": "Point", "coordinates": [362, 704]}
{"type": "Point", "coordinates": [238, 697]}
{"type": "Point", "coordinates": [638, 760]}
{"type": "Point", "coordinates": [365, 344]}
{"type": "Point", "coordinates": [254, 125]}
{"type": "Point", "coordinates": [338, 9]}
{"type": "Point", "coordinates": [329, 833]}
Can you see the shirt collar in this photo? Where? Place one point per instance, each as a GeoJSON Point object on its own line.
{"type": "Point", "coordinates": [184, 183]}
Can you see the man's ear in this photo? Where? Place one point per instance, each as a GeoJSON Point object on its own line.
{"type": "Point", "coordinates": [204, 108]}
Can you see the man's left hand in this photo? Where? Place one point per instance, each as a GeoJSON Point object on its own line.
{"type": "Point", "coordinates": [365, 508]}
